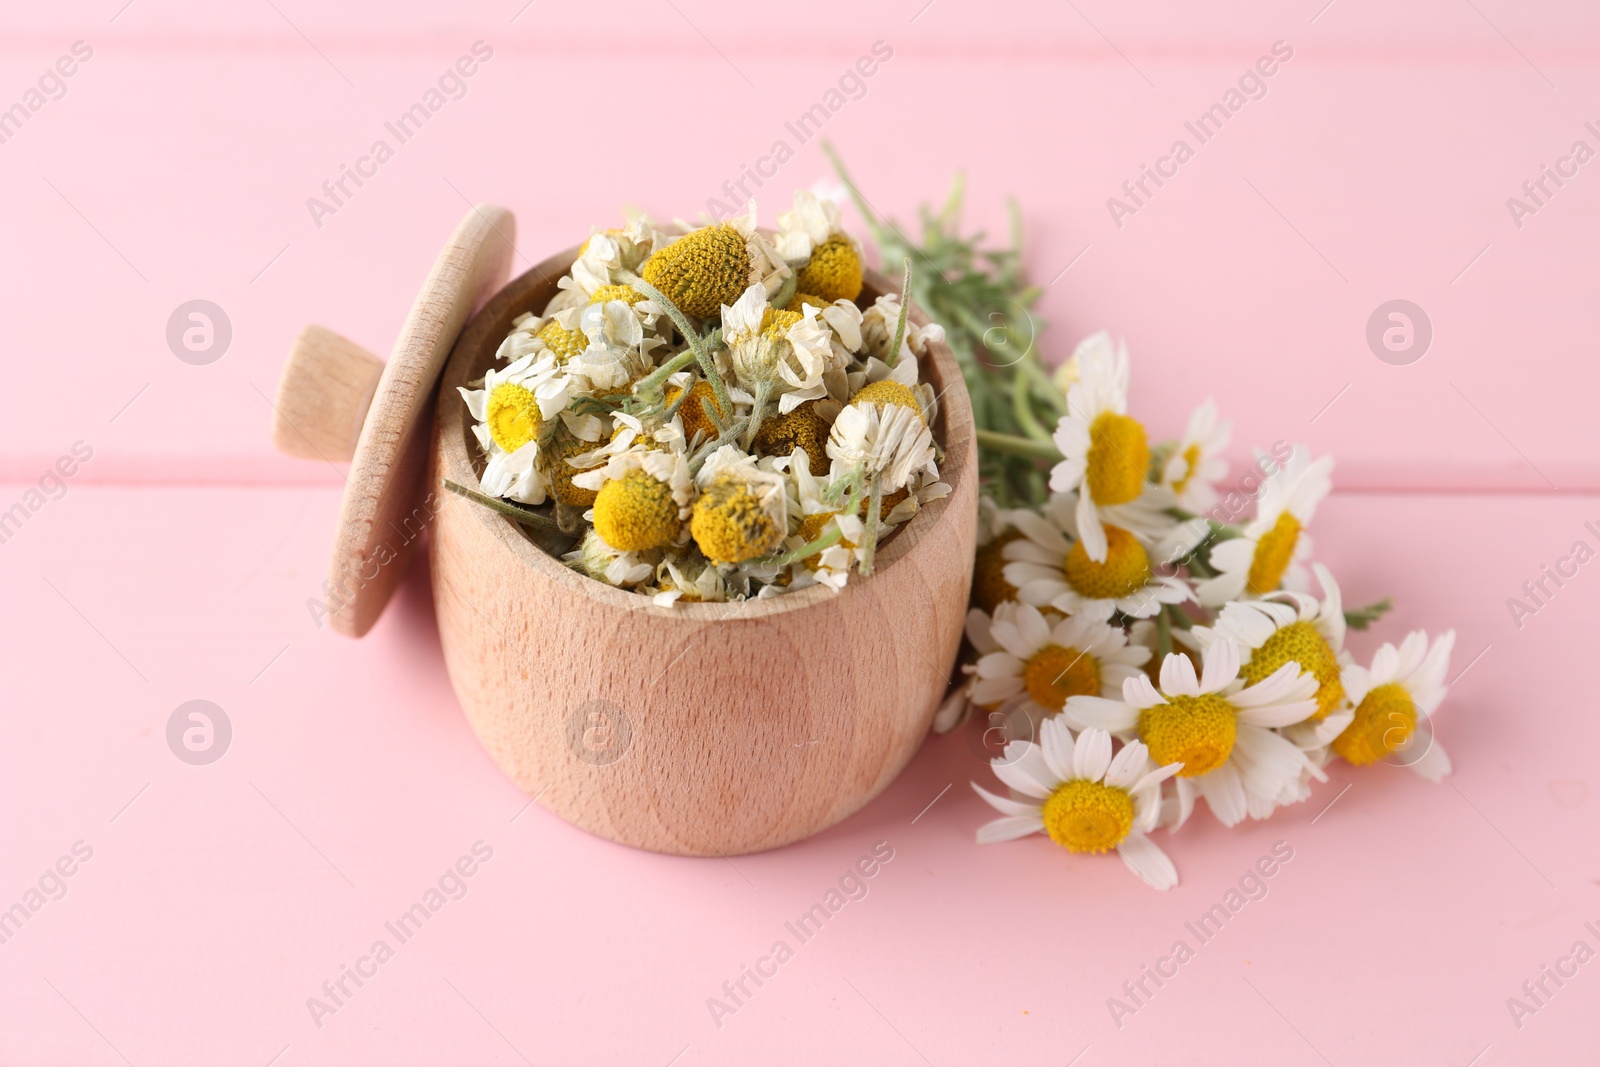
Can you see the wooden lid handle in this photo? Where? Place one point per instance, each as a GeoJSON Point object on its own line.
{"type": "Point", "coordinates": [323, 396]}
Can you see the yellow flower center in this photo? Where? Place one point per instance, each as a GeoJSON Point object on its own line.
{"type": "Point", "coordinates": [989, 586]}
{"type": "Point", "coordinates": [562, 341]}
{"type": "Point", "coordinates": [776, 323]}
{"type": "Point", "coordinates": [800, 300]}
{"type": "Point", "coordinates": [512, 415]}
{"type": "Point", "coordinates": [701, 271]}
{"type": "Point", "coordinates": [1191, 460]}
{"type": "Point", "coordinates": [1300, 642]}
{"type": "Point", "coordinates": [625, 293]}
{"type": "Point", "coordinates": [636, 512]}
{"type": "Point", "coordinates": [834, 272]}
{"type": "Point", "coordinates": [1085, 816]}
{"type": "Point", "coordinates": [561, 472]}
{"type": "Point", "coordinates": [1195, 731]}
{"type": "Point", "coordinates": [696, 410]}
{"type": "Point", "coordinates": [1384, 723]}
{"type": "Point", "coordinates": [1125, 571]}
{"type": "Point", "coordinates": [1273, 552]}
{"type": "Point", "coordinates": [803, 428]}
{"type": "Point", "coordinates": [1119, 455]}
{"type": "Point", "coordinates": [730, 525]}
{"type": "Point", "coordinates": [1057, 672]}
{"type": "Point", "coordinates": [889, 392]}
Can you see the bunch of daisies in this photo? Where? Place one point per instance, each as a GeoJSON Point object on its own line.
{"type": "Point", "coordinates": [711, 415]}
{"type": "Point", "coordinates": [1149, 641]}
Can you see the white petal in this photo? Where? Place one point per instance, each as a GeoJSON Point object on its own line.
{"type": "Point", "coordinates": [1224, 794]}
{"type": "Point", "coordinates": [1157, 776]}
{"type": "Point", "coordinates": [1140, 693]}
{"type": "Point", "coordinates": [1128, 765]}
{"type": "Point", "coordinates": [1098, 713]}
{"type": "Point", "coordinates": [1222, 665]}
{"type": "Point", "coordinates": [1008, 829]}
{"type": "Point", "coordinates": [1287, 683]}
{"type": "Point", "coordinates": [1177, 676]}
{"type": "Point", "coordinates": [1005, 805]}
{"type": "Point", "coordinates": [1433, 764]}
{"type": "Point", "coordinates": [1013, 773]}
{"type": "Point", "coordinates": [1092, 755]}
{"type": "Point", "coordinates": [1146, 859]}
{"type": "Point", "coordinates": [1090, 532]}
{"type": "Point", "coordinates": [1055, 740]}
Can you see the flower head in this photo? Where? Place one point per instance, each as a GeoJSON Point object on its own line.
{"type": "Point", "coordinates": [703, 269]}
{"type": "Point", "coordinates": [1073, 790]}
{"type": "Point", "coordinates": [1222, 731]}
{"type": "Point", "coordinates": [1050, 565]}
{"type": "Point", "coordinates": [1274, 544]}
{"type": "Point", "coordinates": [1394, 700]}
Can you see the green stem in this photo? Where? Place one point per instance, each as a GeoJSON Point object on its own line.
{"type": "Point", "coordinates": [905, 313]}
{"type": "Point", "coordinates": [658, 377]}
{"type": "Point", "coordinates": [1022, 408]}
{"type": "Point", "coordinates": [869, 539]}
{"type": "Point", "coordinates": [1018, 446]}
{"type": "Point", "coordinates": [525, 515]}
{"type": "Point", "coordinates": [702, 355]}
{"type": "Point", "coordinates": [810, 548]}
{"type": "Point", "coordinates": [1163, 636]}
{"type": "Point", "coordinates": [1047, 388]}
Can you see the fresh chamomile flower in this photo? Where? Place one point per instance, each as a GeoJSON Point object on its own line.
{"type": "Point", "coordinates": [600, 561]}
{"type": "Point", "coordinates": [1288, 627]}
{"type": "Point", "coordinates": [1077, 656]}
{"type": "Point", "coordinates": [709, 267]}
{"type": "Point", "coordinates": [1050, 565]}
{"type": "Point", "coordinates": [1274, 544]}
{"type": "Point", "coordinates": [1394, 700]}
{"type": "Point", "coordinates": [510, 408]}
{"type": "Point", "coordinates": [1105, 452]}
{"type": "Point", "coordinates": [1196, 464]}
{"type": "Point", "coordinates": [1083, 798]}
{"type": "Point", "coordinates": [741, 513]}
{"type": "Point", "coordinates": [1222, 731]}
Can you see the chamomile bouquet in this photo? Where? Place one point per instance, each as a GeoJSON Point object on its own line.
{"type": "Point", "coordinates": [1145, 633]}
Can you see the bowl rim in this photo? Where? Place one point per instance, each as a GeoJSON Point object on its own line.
{"type": "Point", "coordinates": [453, 443]}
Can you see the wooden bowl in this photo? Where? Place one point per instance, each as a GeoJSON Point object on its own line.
{"type": "Point", "coordinates": [700, 729]}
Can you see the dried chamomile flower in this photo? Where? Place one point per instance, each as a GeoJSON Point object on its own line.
{"type": "Point", "coordinates": [707, 268]}
{"type": "Point", "coordinates": [741, 512]}
{"type": "Point", "coordinates": [834, 271]}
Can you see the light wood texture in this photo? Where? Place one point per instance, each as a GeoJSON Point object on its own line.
{"type": "Point", "coordinates": [734, 728]}
{"type": "Point", "coordinates": [323, 396]}
{"type": "Point", "coordinates": [386, 506]}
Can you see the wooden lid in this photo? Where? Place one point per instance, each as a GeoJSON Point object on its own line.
{"type": "Point", "coordinates": [338, 402]}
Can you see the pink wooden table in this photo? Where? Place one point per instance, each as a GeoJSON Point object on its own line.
{"type": "Point", "coordinates": [207, 903]}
